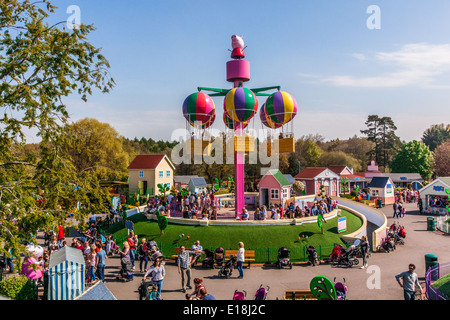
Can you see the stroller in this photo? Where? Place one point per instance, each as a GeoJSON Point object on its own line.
{"type": "Point", "coordinates": [283, 258]}
{"type": "Point", "coordinates": [219, 256]}
{"type": "Point", "coordinates": [348, 257]}
{"type": "Point", "coordinates": [125, 270]}
{"type": "Point", "coordinates": [208, 262]}
{"type": "Point", "coordinates": [261, 293]}
{"type": "Point", "coordinates": [335, 254]}
{"type": "Point", "coordinates": [227, 268]}
{"type": "Point", "coordinates": [239, 295]}
{"type": "Point", "coordinates": [148, 291]}
{"type": "Point", "coordinates": [341, 290]}
{"type": "Point", "coordinates": [312, 255]}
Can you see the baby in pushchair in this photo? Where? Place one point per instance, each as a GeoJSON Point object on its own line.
{"type": "Point", "coordinates": [227, 268]}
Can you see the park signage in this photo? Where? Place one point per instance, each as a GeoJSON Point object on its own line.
{"type": "Point", "coordinates": [342, 224]}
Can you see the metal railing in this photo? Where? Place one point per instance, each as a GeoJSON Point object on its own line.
{"type": "Point", "coordinates": [433, 274]}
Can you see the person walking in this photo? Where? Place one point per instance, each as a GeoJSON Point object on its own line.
{"type": "Point", "coordinates": [61, 236]}
{"type": "Point", "coordinates": [100, 262]}
{"type": "Point", "coordinates": [157, 273]}
{"type": "Point", "coordinates": [133, 242]}
{"type": "Point", "coordinates": [395, 207]}
{"type": "Point", "coordinates": [184, 268]}
{"type": "Point", "coordinates": [410, 280]}
{"type": "Point", "coordinates": [240, 260]}
{"type": "Point", "coordinates": [364, 250]}
{"type": "Point", "coordinates": [143, 254]}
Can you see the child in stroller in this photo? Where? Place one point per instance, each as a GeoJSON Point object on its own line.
{"type": "Point", "coordinates": [335, 254]}
{"type": "Point", "coordinates": [283, 258]}
{"type": "Point", "coordinates": [148, 290]}
{"type": "Point", "coordinates": [227, 268]}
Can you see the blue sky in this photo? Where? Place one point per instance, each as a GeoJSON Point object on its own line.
{"type": "Point", "coordinates": [322, 52]}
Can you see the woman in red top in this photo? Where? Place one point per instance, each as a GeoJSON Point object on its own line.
{"type": "Point", "coordinates": [61, 236]}
{"type": "Point", "coordinates": [199, 292]}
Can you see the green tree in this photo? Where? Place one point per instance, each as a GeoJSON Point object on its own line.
{"type": "Point", "coordinates": [381, 131]}
{"type": "Point", "coordinates": [40, 64]}
{"type": "Point", "coordinates": [414, 157]}
{"type": "Point", "coordinates": [442, 160]}
{"type": "Point", "coordinates": [436, 135]}
{"type": "Point", "coordinates": [97, 146]}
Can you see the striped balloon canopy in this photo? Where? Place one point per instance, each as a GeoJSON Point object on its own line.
{"type": "Point", "coordinates": [232, 124]}
{"type": "Point", "coordinates": [199, 109]}
{"type": "Point", "coordinates": [265, 118]}
{"type": "Point", "coordinates": [240, 104]}
{"type": "Point", "coordinates": [281, 107]}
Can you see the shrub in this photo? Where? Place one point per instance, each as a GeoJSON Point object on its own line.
{"type": "Point", "coordinates": [18, 288]}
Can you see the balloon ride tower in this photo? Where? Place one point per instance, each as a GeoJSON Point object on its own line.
{"type": "Point", "coordinates": [239, 107]}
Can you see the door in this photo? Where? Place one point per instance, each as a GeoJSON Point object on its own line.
{"type": "Point", "coordinates": [264, 197]}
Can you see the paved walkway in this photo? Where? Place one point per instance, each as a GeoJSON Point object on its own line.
{"type": "Point", "coordinates": [375, 283]}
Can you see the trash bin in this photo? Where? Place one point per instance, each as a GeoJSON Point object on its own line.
{"type": "Point", "coordinates": [431, 226]}
{"type": "Point", "coordinates": [431, 261]}
{"type": "Point", "coordinates": [379, 203]}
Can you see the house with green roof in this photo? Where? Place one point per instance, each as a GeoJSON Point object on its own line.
{"type": "Point", "coordinates": [274, 188]}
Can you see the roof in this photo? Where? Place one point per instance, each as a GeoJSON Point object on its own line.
{"type": "Point", "coordinates": [281, 179]}
{"type": "Point", "coordinates": [404, 177]}
{"type": "Point", "coordinates": [379, 182]}
{"type": "Point", "coordinates": [445, 180]}
{"type": "Point", "coordinates": [148, 161]}
{"type": "Point", "coordinates": [66, 253]}
{"type": "Point", "coordinates": [183, 179]}
{"type": "Point", "coordinates": [98, 291]}
{"type": "Point", "coordinates": [339, 169]}
{"type": "Point", "coordinates": [198, 182]}
{"type": "Point", "coordinates": [290, 178]}
{"type": "Point", "coordinates": [310, 173]}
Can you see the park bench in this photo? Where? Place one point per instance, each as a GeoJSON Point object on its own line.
{"type": "Point", "coordinates": [249, 255]}
{"type": "Point", "coordinates": [178, 250]}
{"type": "Point", "coordinates": [299, 295]}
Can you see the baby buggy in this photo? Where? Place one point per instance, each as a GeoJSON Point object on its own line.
{"type": "Point", "coordinates": [219, 256]}
{"type": "Point", "coordinates": [125, 272]}
{"type": "Point", "coordinates": [283, 258]}
{"type": "Point", "coordinates": [239, 295]}
{"type": "Point", "coordinates": [261, 293]}
{"type": "Point", "coordinates": [348, 257]}
{"type": "Point", "coordinates": [313, 258]}
{"type": "Point", "coordinates": [208, 262]}
{"type": "Point", "coordinates": [227, 268]}
{"type": "Point", "coordinates": [341, 290]}
{"type": "Point", "coordinates": [148, 291]}
{"type": "Point", "coordinates": [335, 253]}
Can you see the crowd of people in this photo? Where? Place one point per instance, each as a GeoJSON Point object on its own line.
{"type": "Point", "coordinates": [192, 206]}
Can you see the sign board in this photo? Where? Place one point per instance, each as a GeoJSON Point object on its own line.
{"type": "Point", "coordinates": [342, 224]}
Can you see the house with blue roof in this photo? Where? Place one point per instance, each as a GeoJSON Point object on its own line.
{"type": "Point", "coordinates": [382, 188]}
{"type": "Point", "coordinates": [197, 185]}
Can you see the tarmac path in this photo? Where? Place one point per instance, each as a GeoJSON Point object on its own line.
{"type": "Point", "coordinates": [377, 282]}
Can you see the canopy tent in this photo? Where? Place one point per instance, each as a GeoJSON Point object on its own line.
{"type": "Point", "coordinates": [66, 274]}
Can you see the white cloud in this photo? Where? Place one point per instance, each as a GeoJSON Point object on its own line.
{"type": "Point", "coordinates": [413, 65]}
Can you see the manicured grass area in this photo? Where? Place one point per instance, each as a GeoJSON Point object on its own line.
{"type": "Point", "coordinates": [443, 285]}
{"type": "Point", "coordinates": [265, 240]}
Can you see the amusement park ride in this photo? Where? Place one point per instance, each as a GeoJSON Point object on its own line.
{"type": "Point", "coordinates": [240, 106]}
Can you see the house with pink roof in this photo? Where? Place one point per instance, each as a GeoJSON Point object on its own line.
{"type": "Point", "coordinates": [313, 178]}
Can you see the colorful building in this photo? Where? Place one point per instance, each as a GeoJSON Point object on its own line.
{"type": "Point", "coordinates": [313, 178]}
{"type": "Point", "coordinates": [145, 172]}
{"type": "Point", "coordinates": [382, 188]}
{"type": "Point", "coordinates": [273, 188]}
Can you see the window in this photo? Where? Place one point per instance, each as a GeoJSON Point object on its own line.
{"type": "Point", "coordinates": [168, 185]}
{"type": "Point", "coordinates": [274, 193]}
{"type": "Point", "coordinates": [161, 174]}
{"type": "Point", "coordinates": [141, 174]}
{"type": "Point", "coordinates": [167, 173]}
{"type": "Point", "coordinates": [285, 193]}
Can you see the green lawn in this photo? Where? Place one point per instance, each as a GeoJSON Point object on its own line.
{"type": "Point", "coordinates": [265, 240]}
{"type": "Point", "coordinates": [443, 285]}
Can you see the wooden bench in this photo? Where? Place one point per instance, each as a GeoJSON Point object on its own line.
{"type": "Point", "coordinates": [299, 295]}
{"type": "Point", "coordinates": [249, 255]}
{"type": "Point", "coordinates": [178, 251]}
